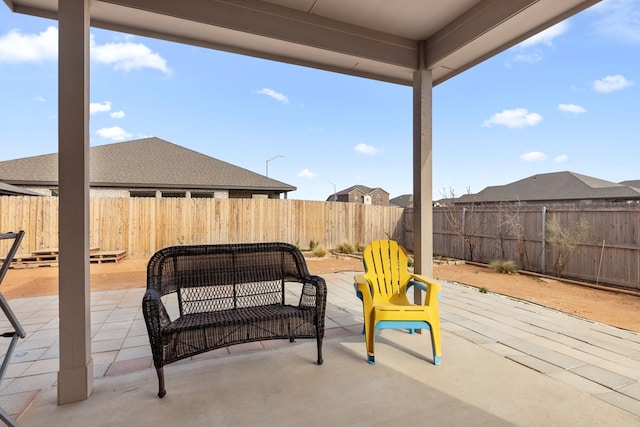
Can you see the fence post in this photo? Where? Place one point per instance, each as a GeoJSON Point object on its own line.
{"type": "Point", "coordinates": [464, 217]}
{"type": "Point", "coordinates": [543, 266]}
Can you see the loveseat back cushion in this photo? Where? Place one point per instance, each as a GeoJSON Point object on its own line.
{"type": "Point", "coordinates": [222, 277]}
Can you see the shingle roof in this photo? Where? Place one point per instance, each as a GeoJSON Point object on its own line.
{"type": "Point", "coordinates": [557, 186]}
{"type": "Point", "coordinates": [404, 201]}
{"type": "Point", "coordinates": [361, 188]}
{"type": "Point", "coordinates": [633, 183]}
{"type": "Point", "coordinates": [144, 163]}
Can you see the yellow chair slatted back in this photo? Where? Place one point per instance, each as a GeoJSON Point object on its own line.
{"type": "Point", "coordinates": [385, 264]}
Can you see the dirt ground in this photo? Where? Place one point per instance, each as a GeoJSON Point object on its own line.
{"type": "Point", "coordinates": [613, 308]}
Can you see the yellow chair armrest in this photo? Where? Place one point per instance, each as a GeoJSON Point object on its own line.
{"type": "Point", "coordinates": [362, 286]}
{"type": "Point", "coordinates": [433, 288]}
{"type": "Point", "coordinates": [363, 291]}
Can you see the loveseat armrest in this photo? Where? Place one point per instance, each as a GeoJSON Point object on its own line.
{"type": "Point", "coordinates": [314, 292]}
{"type": "Point", "coordinates": [156, 318]}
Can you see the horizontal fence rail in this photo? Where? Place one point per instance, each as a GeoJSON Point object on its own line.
{"type": "Point", "coordinates": [141, 226]}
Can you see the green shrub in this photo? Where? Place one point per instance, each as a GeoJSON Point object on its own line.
{"type": "Point", "coordinates": [312, 244]}
{"type": "Point", "coordinates": [507, 267]}
{"type": "Point", "coordinates": [345, 248]}
{"type": "Point", "coordinates": [483, 290]}
{"type": "Point", "coordinates": [410, 262]}
{"type": "Point", "coordinates": [565, 240]}
{"type": "Point", "coordinates": [319, 251]}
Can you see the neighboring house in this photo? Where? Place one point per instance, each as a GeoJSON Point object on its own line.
{"type": "Point", "coordinates": [149, 167]}
{"type": "Point", "coordinates": [557, 187]}
{"type": "Point", "coordinates": [361, 194]}
{"type": "Point", "coordinates": [633, 183]}
{"type": "Point", "coordinates": [404, 201]}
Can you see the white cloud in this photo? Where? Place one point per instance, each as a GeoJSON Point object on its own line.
{"type": "Point", "coordinates": [41, 99]}
{"type": "Point", "coordinates": [306, 173]}
{"type": "Point", "coordinates": [17, 47]}
{"type": "Point", "coordinates": [546, 37]}
{"type": "Point", "coordinates": [528, 58]}
{"type": "Point", "coordinates": [366, 149]}
{"type": "Point", "coordinates": [611, 83]}
{"type": "Point", "coordinates": [275, 95]}
{"type": "Point", "coordinates": [561, 158]}
{"type": "Point", "coordinates": [516, 118]}
{"type": "Point", "coordinates": [619, 19]}
{"type": "Point", "coordinates": [572, 108]}
{"type": "Point", "coordinates": [543, 38]}
{"type": "Point", "coordinates": [113, 133]}
{"type": "Point", "coordinates": [533, 156]}
{"type": "Point", "coordinates": [127, 56]}
{"type": "Point", "coordinates": [96, 107]}
{"type": "Point", "coordinates": [117, 114]}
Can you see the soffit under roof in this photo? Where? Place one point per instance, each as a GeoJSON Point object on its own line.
{"type": "Point", "coordinates": [376, 39]}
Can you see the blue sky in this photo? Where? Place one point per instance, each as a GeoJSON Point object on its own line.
{"type": "Point", "coordinates": [565, 100]}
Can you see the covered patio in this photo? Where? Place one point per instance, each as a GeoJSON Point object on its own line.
{"type": "Point", "coordinates": [417, 43]}
{"type": "Point", "coordinates": [505, 362]}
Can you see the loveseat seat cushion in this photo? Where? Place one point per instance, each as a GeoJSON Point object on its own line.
{"type": "Point", "coordinates": [196, 333]}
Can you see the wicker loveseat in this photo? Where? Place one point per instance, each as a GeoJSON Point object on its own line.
{"type": "Point", "coordinates": [229, 294]}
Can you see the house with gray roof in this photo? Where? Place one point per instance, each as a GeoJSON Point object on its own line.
{"type": "Point", "coordinates": [404, 201]}
{"type": "Point", "coordinates": [633, 183]}
{"type": "Point", "coordinates": [361, 194]}
{"type": "Point", "coordinates": [149, 167]}
{"type": "Point", "coordinates": [556, 187]}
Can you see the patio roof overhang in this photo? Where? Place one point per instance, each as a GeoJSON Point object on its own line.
{"type": "Point", "coordinates": [379, 40]}
{"type": "Point", "coordinates": [410, 42]}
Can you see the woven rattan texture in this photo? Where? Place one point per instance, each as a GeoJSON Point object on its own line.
{"type": "Point", "coordinates": [230, 294]}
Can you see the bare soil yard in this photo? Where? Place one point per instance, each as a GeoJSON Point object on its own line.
{"type": "Point", "coordinates": [612, 308]}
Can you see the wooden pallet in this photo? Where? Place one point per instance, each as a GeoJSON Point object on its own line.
{"type": "Point", "coordinates": [29, 263]}
{"type": "Point", "coordinates": [107, 256]}
{"type": "Point", "coordinates": [49, 258]}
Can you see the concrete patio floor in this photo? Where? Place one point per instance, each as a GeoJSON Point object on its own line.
{"type": "Point", "coordinates": [504, 362]}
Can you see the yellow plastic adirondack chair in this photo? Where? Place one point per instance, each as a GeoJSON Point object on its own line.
{"type": "Point", "coordinates": [383, 290]}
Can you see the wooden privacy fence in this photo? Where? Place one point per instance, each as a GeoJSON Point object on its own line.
{"type": "Point", "coordinates": [610, 253]}
{"type": "Point", "coordinates": [143, 225]}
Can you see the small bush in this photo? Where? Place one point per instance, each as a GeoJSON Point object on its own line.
{"type": "Point", "coordinates": [507, 267]}
{"type": "Point", "coordinates": [319, 251]}
{"type": "Point", "coordinates": [410, 262]}
{"type": "Point", "coordinates": [360, 248]}
{"type": "Point", "coordinates": [345, 248]}
{"type": "Point", "coordinates": [483, 290]}
{"type": "Point", "coordinates": [312, 244]}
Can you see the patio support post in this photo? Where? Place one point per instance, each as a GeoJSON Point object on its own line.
{"type": "Point", "coordinates": [75, 378]}
{"type": "Point", "coordinates": [422, 174]}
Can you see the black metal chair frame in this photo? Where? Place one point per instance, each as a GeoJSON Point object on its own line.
{"type": "Point", "coordinates": [18, 331]}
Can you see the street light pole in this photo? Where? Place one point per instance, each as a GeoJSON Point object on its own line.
{"type": "Point", "coordinates": [335, 195]}
{"type": "Point", "coordinates": [273, 158]}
